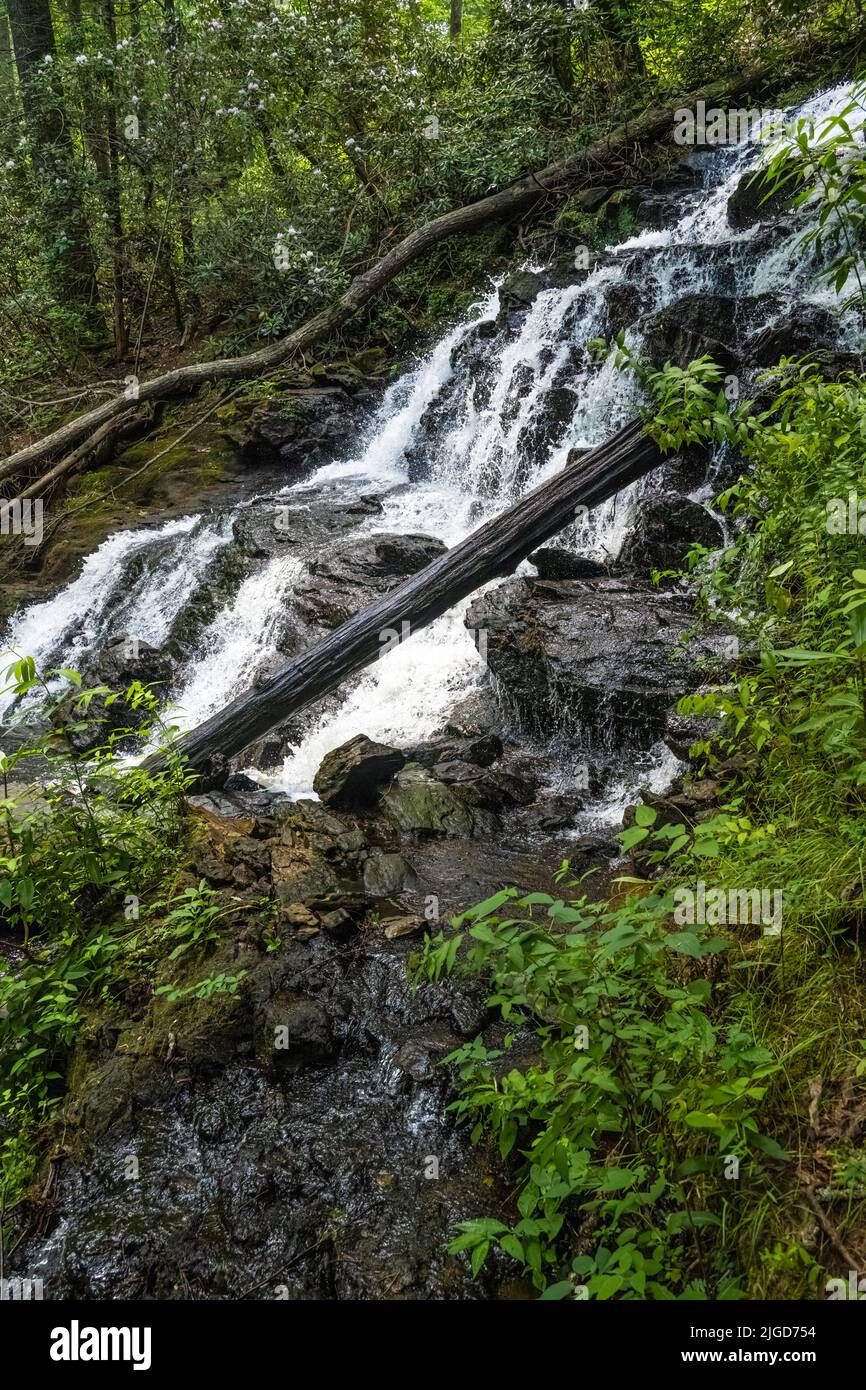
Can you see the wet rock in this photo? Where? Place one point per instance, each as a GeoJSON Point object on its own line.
{"type": "Point", "coordinates": [293, 1029]}
{"type": "Point", "coordinates": [397, 927]}
{"type": "Point", "coordinates": [557, 813]}
{"type": "Point", "coordinates": [342, 583]}
{"type": "Point", "coordinates": [386, 875]}
{"type": "Point", "coordinates": [300, 431]}
{"type": "Point", "coordinates": [299, 915]}
{"type": "Point", "coordinates": [492, 787]}
{"type": "Point", "coordinates": [124, 660]}
{"type": "Point", "coordinates": [417, 804]}
{"type": "Point", "coordinates": [352, 774]}
{"type": "Point", "coordinates": [605, 657]}
{"type": "Point", "coordinates": [272, 526]}
{"type": "Point", "coordinates": [300, 1171]}
{"type": "Point", "coordinates": [689, 328]}
{"type": "Point", "coordinates": [804, 329]}
{"type": "Point", "coordinates": [750, 203]}
{"type": "Point", "coordinates": [339, 923]}
{"type": "Point", "coordinates": [663, 532]}
{"type": "Point", "coordinates": [683, 472]}
{"type": "Point", "coordinates": [317, 857]}
{"type": "Point", "coordinates": [239, 782]}
{"type": "Point", "coordinates": [552, 562]}
{"type": "Point", "coordinates": [480, 749]}
{"type": "Point", "coordinates": [624, 301]}
{"type": "Point", "coordinates": [520, 289]}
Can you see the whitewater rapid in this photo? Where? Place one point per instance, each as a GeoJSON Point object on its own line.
{"type": "Point", "coordinates": [476, 411]}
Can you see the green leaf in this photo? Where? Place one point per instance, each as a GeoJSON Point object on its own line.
{"type": "Point", "coordinates": [685, 942]}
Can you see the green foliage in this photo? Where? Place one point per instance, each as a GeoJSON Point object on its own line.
{"type": "Point", "coordinates": [83, 839]}
{"type": "Point", "coordinates": [624, 1127]}
{"type": "Point", "coordinates": [211, 985]}
{"type": "Point", "coordinates": [823, 165]}
{"type": "Point", "coordinates": [194, 921]}
{"type": "Point", "coordinates": [226, 169]}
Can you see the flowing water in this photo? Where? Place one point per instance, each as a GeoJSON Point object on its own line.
{"type": "Point", "coordinates": [480, 420]}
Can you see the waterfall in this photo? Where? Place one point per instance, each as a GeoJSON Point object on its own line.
{"type": "Point", "coordinates": [471, 427]}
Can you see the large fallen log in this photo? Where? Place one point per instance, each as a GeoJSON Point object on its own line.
{"type": "Point", "coordinates": [496, 548]}
{"type": "Point", "coordinates": [603, 158]}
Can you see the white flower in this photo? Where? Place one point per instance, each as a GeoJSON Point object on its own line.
{"type": "Point", "coordinates": [136, 100]}
{"type": "Point", "coordinates": [81, 58]}
{"type": "Point", "coordinates": [349, 142]}
{"type": "Point", "coordinates": [10, 164]}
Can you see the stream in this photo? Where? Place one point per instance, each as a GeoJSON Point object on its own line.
{"type": "Point", "coordinates": [336, 1172]}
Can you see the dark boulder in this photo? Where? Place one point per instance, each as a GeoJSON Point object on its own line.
{"type": "Point", "coordinates": [606, 658]}
{"type": "Point", "coordinates": [270, 525]}
{"type": "Point", "coordinates": [341, 583]}
{"type": "Point", "coordinates": [750, 202]}
{"type": "Point", "coordinates": [520, 289]}
{"type": "Point", "coordinates": [685, 471]}
{"type": "Point", "coordinates": [421, 806]}
{"type": "Point", "coordinates": [354, 773]}
{"type": "Point", "coordinates": [481, 750]}
{"type": "Point", "coordinates": [807, 328]}
{"type": "Point", "coordinates": [662, 534]}
{"type": "Point", "coordinates": [301, 430]}
{"type": "Point", "coordinates": [691, 327]}
{"type": "Point", "coordinates": [123, 662]}
{"type": "Point", "coordinates": [554, 563]}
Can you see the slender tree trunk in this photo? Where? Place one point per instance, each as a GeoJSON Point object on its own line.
{"type": "Point", "coordinates": [455, 25]}
{"type": "Point", "coordinates": [52, 152]}
{"type": "Point", "coordinates": [113, 199]}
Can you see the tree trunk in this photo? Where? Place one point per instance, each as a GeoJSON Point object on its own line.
{"type": "Point", "coordinates": [105, 148]}
{"type": "Point", "coordinates": [455, 26]}
{"type": "Point", "coordinates": [554, 182]}
{"type": "Point", "coordinates": [495, 549]}
{"type": "Point", "coordinates": [52, 152]}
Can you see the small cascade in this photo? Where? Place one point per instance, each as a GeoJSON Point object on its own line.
{"type": "Point", "coordinates": [497, 405]}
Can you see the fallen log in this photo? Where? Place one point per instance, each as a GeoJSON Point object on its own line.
{"type": "Point", "coordinates": [555, 182]}
{"type": "Point", "coordinates": [495, 549]}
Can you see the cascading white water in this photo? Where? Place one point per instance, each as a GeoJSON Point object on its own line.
{"type": "Point", "coordinates": [477, 414]}
{"type": "Point", "coordinates": [108, 598]}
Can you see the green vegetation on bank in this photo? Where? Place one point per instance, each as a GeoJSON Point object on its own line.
{"type": "Point", "coordinates": [85, 838]}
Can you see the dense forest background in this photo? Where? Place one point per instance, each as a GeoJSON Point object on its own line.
{"type": "Point", "coordinates": [212, 174]}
